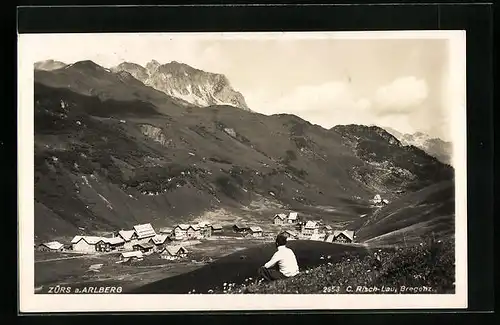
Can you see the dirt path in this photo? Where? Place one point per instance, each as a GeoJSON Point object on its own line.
{"type": "Point", "coordinates": [76, 257]}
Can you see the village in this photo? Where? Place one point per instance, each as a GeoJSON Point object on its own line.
{"type": "Point", "coordinates": [171, 243]}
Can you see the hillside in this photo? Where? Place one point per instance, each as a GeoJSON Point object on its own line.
{"type": "Point", "coordinates": [428, 211]}
{"type": "Point", "coordinates": [111, 152]}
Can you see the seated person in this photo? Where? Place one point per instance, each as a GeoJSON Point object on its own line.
{"type": "Point", "coordinates": [285, 261]}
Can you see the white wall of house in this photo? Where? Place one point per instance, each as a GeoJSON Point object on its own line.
{"type": "Point", "coordinates": [83, 246]}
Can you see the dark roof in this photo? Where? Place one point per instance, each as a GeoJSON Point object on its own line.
{"type": "Point", "coordinates": [145, 245]}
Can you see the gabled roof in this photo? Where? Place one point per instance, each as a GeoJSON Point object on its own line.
{"type": "Point", "coordinates": [328, 227]}
{"type": "Point", "coordinates": [132, 254]}
{"type": "Point", "coordinates": [330, 238]}
{"type": "Point", "coordinates": [183, 226]}
{"type": "Point", "coordinates": [159, 239]}
{"type": "Point", "coordinates": [241, 226]}
{"type": "Point", "coordinates": [291, 233]}
{"type": "Point", "coordinates": [292, 216]}
{"type": "Point", "coordinates": [348, 233]}
{"type": "Point", "coordinates": [174, 250]}
{"type": "Point", "coordinates": [203, 224]}
{"type": "Point", "coordinates": [126, 234]}
{"type": "Point", "coordinates": [282, 216]}
{"type": "Point", "coordinates": [216, 226]}
{"type": "Point", "coordinates": [91, 240]}
{"type": "Point", "coordinates": [144, 245]}
{"type": "Point", "coordinates": [144, 230]}
{"type": "Point", "coordinates": [114, 240]}
{"type": "Point", "coordinates": [311, 224]}
{"type": "Point", "coordinates": [255, 229]}
{"type": "Point", "coordinates": [53, 245]}
{"type": "Point", "coordinates": [194, 227]}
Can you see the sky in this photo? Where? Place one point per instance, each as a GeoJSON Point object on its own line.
{"type": "Point", "coordinates": [328, 79]}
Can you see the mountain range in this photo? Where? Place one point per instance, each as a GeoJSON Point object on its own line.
{"type": "Point", "coordinates": [436, 147]}
{"type": "Point", "coordinates": [120, 146]}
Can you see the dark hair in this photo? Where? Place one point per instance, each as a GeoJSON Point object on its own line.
{"type": "Point", "coordinates": [280, 240]}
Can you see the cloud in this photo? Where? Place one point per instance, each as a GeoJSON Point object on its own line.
{"type": "Point", "coordinates": [403, 95]}
{"type": "Point", "coordinates": [325, 104]}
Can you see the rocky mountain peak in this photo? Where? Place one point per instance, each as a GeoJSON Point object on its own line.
{"type": "Point", "coordinates": [183, 81]}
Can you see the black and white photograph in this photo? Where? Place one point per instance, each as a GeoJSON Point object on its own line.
{"type": "Point", "coordinates": [184, 171]}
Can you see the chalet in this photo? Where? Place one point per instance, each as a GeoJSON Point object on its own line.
{"type": "Point", "coordinates": [329, 239]}
{"type": "Point", "coordinates": [290, 234]}
{"type": "Point", "coordinates": [144, 231]}
{"type": "Point", "coordinates": [53, 246]}
{"type": "Point", "coordinates": [85, 244]}
{"type": "Point", "coordinates": [144, 247]}
{"type": "Point", "coordinates": [216, 229]}
{"type": "Point", "coordinates": [193, 232]}
{"type": "Point", "coordinates": [256, 231]}
{"type": "Point", "coordinates": [205, 229]}
{"type": "Point", "coordinates": [103, 245]}
{"type": "Point", "coordinates": [129, 237]}
{"type": "Point", "coordinates": [240, 228]}
{"type": "Point", "coordinates": [166, 231]}
{"type": "Point", "coordinates": [318, 237]}
{"type": "Point", "coordinates": [310, 228]}
{"type": "Point", "coordinates": [279, 219]}
{"type": "Point", "coordinates": [327, 229]}
{"type": "Point", "coordinates": [159, 241]}
{"type": "Point", "coordinates": [116, 243]}
{"type": "Point", "coordinates": [180, 231]}
{"type": "Point", "coordinates": [293, 217]}
{"type": "Point", "coordinates": [343, 236]}
{"type": "Point", "coordinates": [127, 256]}
{"type": "Point", "coordinates": [175, 251]}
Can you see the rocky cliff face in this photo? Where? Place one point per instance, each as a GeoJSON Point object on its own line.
{"type": "Point", "coordinates": [185, 82]}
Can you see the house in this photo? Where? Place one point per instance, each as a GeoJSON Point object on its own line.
{"type": "Point", "coordinates": [193, 232]}
{"type": "Point", "coordinates": [327, 228]}
{"type": "Point", "coordinates": [240, 228]}
{"type": "Point", "coordinates": [175, 251]}
{"type": "Point", "coordinates": [343, 236]}
{"type": "Point", "coordinates": [330, 239]}
{"type": "Point", "coordinates": [293, 217]}
{"type": "Point", "coordinates": [103, 245]}
{"type": "Point", "coordinates": [166, 231]}
{"type": "Point", "coordinates": [53, 246]}
{"type": "Point", "coordinates": [159, 241]}
{"type": "Point", "coordinates": [116, 243]}
{"type": "Point", "coordinates": [205, 229]}
{"type": "Point", "coordinates": [85, 244]}
{"type": "Point", "coordinates": [129, 237]}
{"type": "Point", "coordinates": [134, 255]}
{"type": "Point", "coordinates": [180, 231]}
{"type": "Point", "coordinates": [144, 231]}
{"type": "Point", "coordinates": [216, 229]}
{"type": "Point", "coordinates": [279, 219]}
{"type": "Point", "coordinates": [318, 237]}
{"type": "Point", "coordinates": [290, 234]}
{"type": "Point", "coordinates": [310, 228]}
{"type": "Point", "coordinates": [144, 247]}
{"type": "Point", "coordinates": [256, 231]}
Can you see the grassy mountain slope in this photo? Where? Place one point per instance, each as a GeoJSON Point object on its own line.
{"type": "Point", "coordinates": [111, 152]}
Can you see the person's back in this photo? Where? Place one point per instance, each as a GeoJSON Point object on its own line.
{"type": "Point", "coordinates": [288, 262]}
{"type": "Point", "coordinates": [285, 261]}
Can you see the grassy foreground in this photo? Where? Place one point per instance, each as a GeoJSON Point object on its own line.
{"type": "Point", "coordinates": [426, 268]}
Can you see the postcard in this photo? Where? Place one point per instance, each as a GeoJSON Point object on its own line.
{"type": "Point", "coordinates": [242, 171]}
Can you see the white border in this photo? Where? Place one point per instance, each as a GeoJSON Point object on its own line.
{"type": "Point", "coordinates": [29, 302]}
